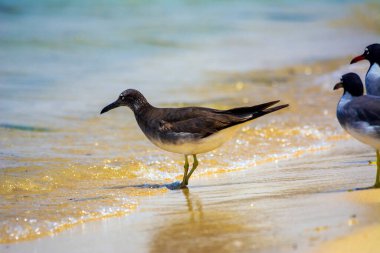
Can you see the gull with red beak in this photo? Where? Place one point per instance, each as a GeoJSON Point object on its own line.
{"type": "Point", "coordinates": [372, 78]}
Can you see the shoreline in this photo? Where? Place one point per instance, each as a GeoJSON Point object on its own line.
{"type": "Point", "coordinates": [257, 209]}
{"type": "Point", "coordinates": [287, 75]}
{"type": "Point", "coordinates": [215, 178]}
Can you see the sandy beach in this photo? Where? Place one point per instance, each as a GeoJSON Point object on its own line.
{"type": "Point", "coordinates": [365, 238]}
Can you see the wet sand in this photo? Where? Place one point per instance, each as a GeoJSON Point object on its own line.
{"type": "Point", "coordinates": [364, 239]}
{"type": "Point", "coordinates": [289, 206]}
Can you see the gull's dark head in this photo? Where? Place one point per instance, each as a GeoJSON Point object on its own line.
{"type": "Point", "coordinates": [131, 98]}
{"type": "Point", "coordinates": [351, 83]}
{"type": "Point", "coordinates": [371, 53]}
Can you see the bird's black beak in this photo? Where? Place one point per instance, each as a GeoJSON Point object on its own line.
{"type": "Point", "coordinates": [338, 86]}
{"type": "Point", "coordinates": [358, 58]}
{"type": "Point", "coordinates": [110, 106]}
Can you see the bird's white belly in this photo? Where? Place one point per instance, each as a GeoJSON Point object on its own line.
{"type": "Point", "coordinates": [372, 80]}
{"type": "Point", "coordinates": [364, 138]}
{"type": "Point", "coordinates": [201, 146]}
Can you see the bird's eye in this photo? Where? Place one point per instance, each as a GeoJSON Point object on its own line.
{"type": "Point", "coordinates": [366, 51]}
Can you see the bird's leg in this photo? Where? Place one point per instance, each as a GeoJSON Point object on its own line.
{"type": "Point", "coordinates": [377, 183]}
{"type": "Point", "coordinates": [185, 170]}
{"type": "Point", "coordinates": [195, 165]}
{"type": "Point", "coordinates": [372, 162]}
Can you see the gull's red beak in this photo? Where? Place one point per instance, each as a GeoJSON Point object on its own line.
{"type": "Point", "coordinates": [358, 58]}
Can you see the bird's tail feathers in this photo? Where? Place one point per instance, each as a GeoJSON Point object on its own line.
{"type": "Point", "coordinates": [250, 109]}
{"type": "Point", "coordinates": [267, 110]}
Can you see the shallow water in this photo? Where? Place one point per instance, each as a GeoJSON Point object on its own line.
{"type": "Point", "coordinates": [62, 164]}
{"type": "Point", "coordinates": [289, 206]}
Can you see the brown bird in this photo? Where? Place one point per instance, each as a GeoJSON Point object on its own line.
{"type": "Point", "coordinates": [188, 130]}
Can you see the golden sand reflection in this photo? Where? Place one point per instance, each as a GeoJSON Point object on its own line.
{"type": "Point", "coordinates": [199, 229]}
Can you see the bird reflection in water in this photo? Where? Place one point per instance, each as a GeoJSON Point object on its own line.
{"type": "Point", "coordinates": [199, 229]}
{"type": "Point", "coordinates": [194, 206]}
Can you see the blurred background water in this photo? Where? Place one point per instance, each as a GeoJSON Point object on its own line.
{"type": "Point", "coordinates": [77, 55]}
{"type": "Point", "coordinates": [62, 61]}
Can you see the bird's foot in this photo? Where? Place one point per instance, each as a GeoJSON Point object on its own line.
{"type": "Point", "coordinates": [174, 186]}
{"type": "Point", "coordinates": [372, 163]}
{"type": "Point", "coordinates": [183, 185]}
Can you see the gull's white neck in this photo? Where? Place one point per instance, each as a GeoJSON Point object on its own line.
{"type": "Point", "coordinates": [372, 80]}
{"type": "Point", "coordinates": [347, 97]}
{"type": "Point", "coordinates": [340, 113]}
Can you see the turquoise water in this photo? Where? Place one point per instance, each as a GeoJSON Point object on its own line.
{"type": "Point", "coordinates": [78, 55]}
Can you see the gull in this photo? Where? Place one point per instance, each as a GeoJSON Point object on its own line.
{"type": "Point", "coordinates": [372, 78]}
{"type": "Point", "coordinates": [359, 114]}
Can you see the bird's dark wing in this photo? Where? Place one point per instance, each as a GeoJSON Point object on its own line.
{"type": "Point", "coordinates": [365, 111]}
{"type": "Point", "coordinates": [200, 127]}
{"type": "Point", "coordinates": [203, 122]}
{"type": "Point", "coordinates": [179, 114]}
